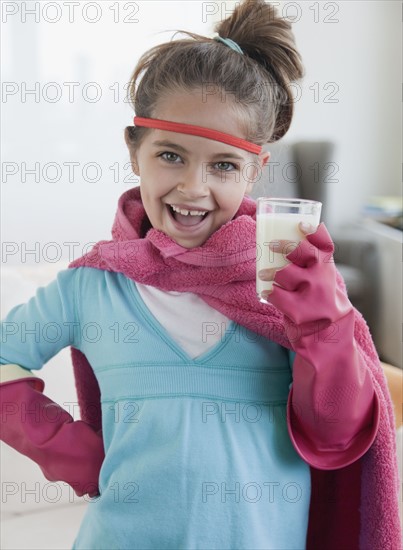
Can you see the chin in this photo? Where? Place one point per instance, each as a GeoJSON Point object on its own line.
{"type": "Point", "coordinates": [186, 244]}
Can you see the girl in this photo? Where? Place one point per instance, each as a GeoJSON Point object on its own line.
{"type": "Point", "coordinates": [209, 419]}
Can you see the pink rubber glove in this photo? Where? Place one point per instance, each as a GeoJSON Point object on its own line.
{"type": "Point", "coordinates": [333, 409]}
{"type": "Point", "coordinates": [65, 450]}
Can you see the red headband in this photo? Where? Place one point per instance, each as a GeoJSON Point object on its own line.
{"type": "Point", "coordinates": [197, 131]}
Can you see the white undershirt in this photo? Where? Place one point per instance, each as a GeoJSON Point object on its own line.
{"type": "Point", "coordinates": [192, 323]}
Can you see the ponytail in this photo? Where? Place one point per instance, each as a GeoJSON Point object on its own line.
{"type": "Point", "coordinates": [268, 39]}
{"type": "Point", "coordinates": [259, 83]}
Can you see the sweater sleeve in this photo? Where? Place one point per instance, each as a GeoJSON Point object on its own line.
{"type": "Point", "coordinates": [31, 423]}
{"type": "Point", "coordinates": [35, 331]}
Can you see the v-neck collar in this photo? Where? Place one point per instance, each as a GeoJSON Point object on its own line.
{"type": "Point", "coordinates": [161, 331]}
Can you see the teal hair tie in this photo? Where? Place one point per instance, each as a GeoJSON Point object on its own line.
{"type": "Point", "coordinates": [230, 43]}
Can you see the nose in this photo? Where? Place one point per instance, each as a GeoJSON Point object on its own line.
{"type": "Point", "coordinates": [193, 183]}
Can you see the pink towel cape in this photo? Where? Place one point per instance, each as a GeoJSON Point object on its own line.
{"type": "Point", "coordinates": [352, 507]}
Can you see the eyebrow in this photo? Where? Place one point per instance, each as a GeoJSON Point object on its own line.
{"type": "Point", "coordinates": [164, 143]}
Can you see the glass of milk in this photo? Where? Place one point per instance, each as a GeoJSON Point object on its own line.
{"type": "Point", "coordinates": [277, 219]}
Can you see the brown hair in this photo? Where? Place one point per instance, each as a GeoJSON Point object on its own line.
{"type": "Point", "coordinates": [261, 79]}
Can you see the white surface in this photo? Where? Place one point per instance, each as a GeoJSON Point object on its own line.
{"type": "Point", "coordinates": [51, 530]}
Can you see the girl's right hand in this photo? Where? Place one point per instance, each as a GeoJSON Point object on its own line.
{"type": "Point", "coordinates": [64, 449]}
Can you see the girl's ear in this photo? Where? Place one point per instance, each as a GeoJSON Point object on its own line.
{"type": "Point", "coordinates": [132, 151]}
{"type": "Point", "coordinates": [262, 160]}
{"type": "Point", "coordinates": [133, 162]}
{"type": "Point", "coordinates": [135, 166]}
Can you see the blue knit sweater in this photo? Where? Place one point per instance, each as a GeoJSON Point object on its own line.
{"type": "Point", "coordinates": [197, 450]}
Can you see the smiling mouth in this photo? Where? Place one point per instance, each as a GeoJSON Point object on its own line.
{"type": "Point", "coordinates": [188, 218]}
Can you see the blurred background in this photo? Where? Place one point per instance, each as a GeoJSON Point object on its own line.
{"type": "Point", "coordinates": [65, 69]}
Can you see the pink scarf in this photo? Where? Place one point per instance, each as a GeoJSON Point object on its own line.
{"type": "Point", "coordinates": [353, 507]}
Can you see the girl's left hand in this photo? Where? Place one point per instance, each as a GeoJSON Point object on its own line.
{"type": "Point", "coordinates": [330, 380]}
{"type": "Point", "coordinates": [306, 289]}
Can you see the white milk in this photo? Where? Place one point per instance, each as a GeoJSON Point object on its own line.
{"type": "Point", "coordinates": [275, 227]}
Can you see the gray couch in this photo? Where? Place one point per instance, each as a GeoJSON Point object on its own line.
{"type": "Point", "coordinates": [304, 169]}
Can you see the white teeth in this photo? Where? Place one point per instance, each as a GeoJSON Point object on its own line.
{"type": "Point", "coordinates": [187, 212]}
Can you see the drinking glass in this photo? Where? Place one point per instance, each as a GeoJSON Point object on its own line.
{"type": "Point", "coordinates": [278, 219]}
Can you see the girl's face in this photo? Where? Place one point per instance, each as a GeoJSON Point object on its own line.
{"type": "Point", "coordinates": [191, 185]}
